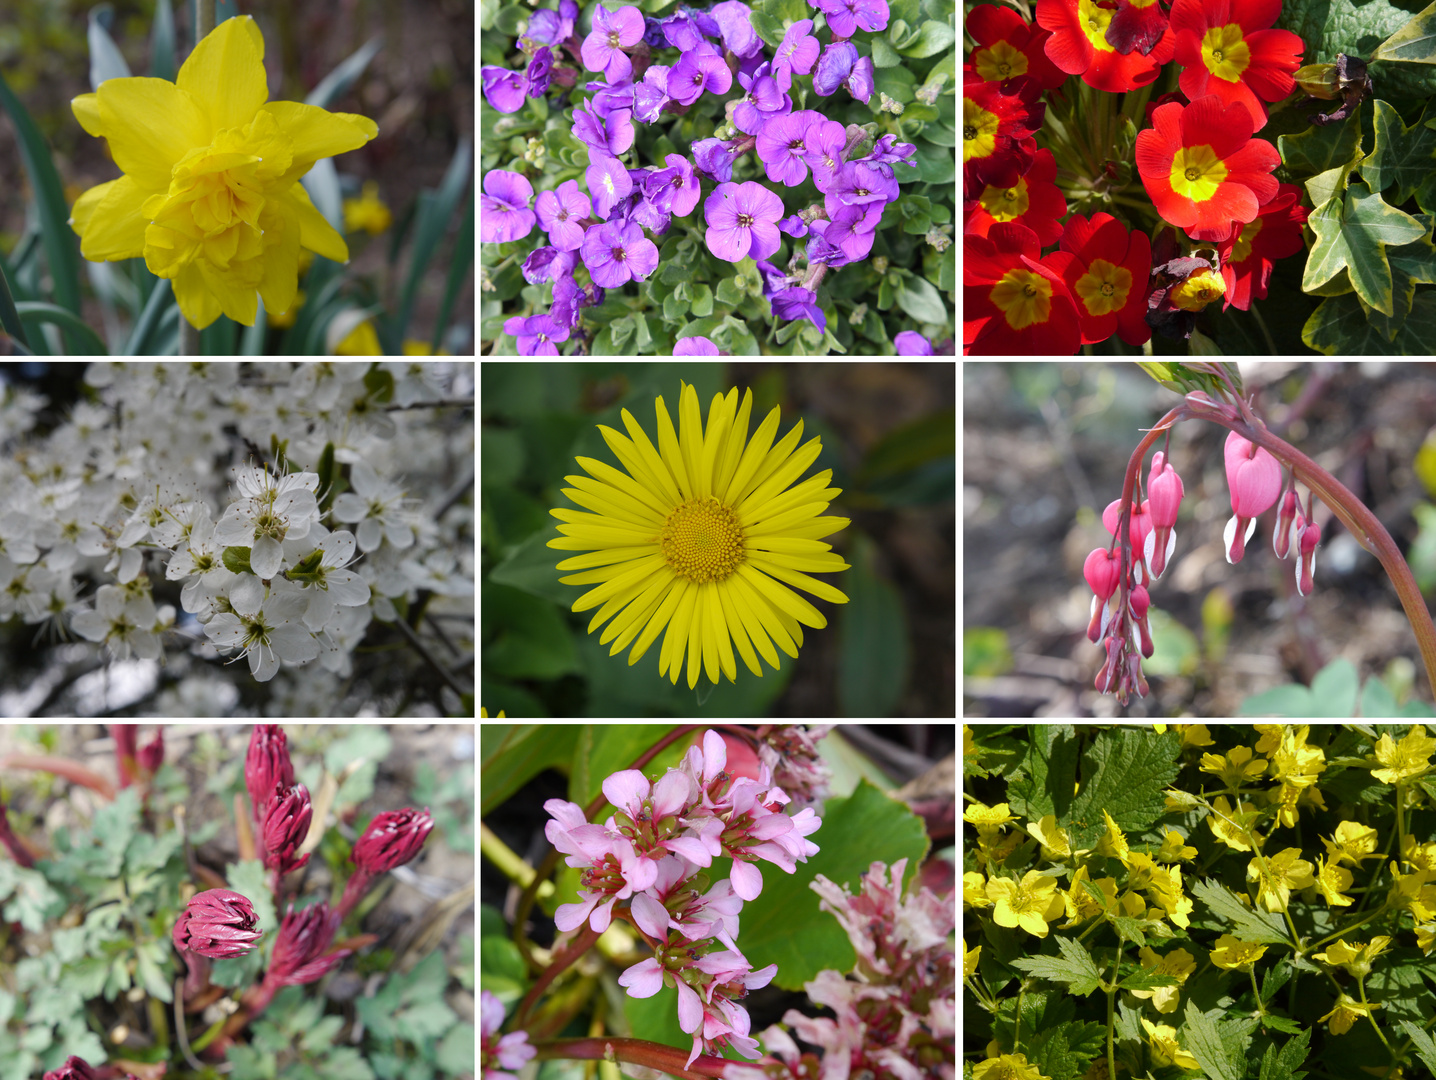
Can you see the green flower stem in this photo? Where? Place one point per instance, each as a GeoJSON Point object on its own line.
{"type": "Point", "coordinates": [1112, 1009]}
{"type": "Point", "coordinates": [1361, 987]}
{"type": "Point", "coordinates": [1349, 927]}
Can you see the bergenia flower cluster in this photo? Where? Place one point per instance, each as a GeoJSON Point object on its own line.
{"type": "Point", "coordinates": [898, 1017]}
{"type": "Point", "coordinates": [648, 856]}
{"type": "Point", "coordinates": [1219, 215]}
{"type": "Point", "coordinates": [264, 555]}
{"type": "Point", "coordinates": [644, 67]}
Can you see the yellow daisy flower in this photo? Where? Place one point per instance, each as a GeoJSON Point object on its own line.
{"type": "Point", "coordinates": [1236, 955]}
{"type": "Point", "coordinates": [1284, 871]}
{"type": "Point", "coordinates": [210, 195]}
{"type": "Point", "coordinates": [705, 535]}
{"type": "Point", "coordinates": [1030, 904]}
{"type": "Point", "coordinates": [1409, 758]}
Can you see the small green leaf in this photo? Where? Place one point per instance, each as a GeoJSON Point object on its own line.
{"type": "Point", "coordinates": [1353, 232]}
{"type": "Point", "coordinates": [1202, 1038]}
{"type": "Point", "coordinates": [730, 292]}
{"type": "Point", "coordinates": [702, 300]}
{"type": "Point", "coordinates": [674, 309]}
{"type": "Point", "coordinates": [932, 38]}
{"type": "Point", "coordinates": [884, 55]}
{"type": "Point", "coordinates": [1318, 149]}
{"type": "Point", "coordinates": [919, 298]}
{"type": "Point", "coordinates": [236, 560]}
{"type": "Point", "coordinates": [1414, 43]}
{"type": "Point", "coordinates": [1248, 924]}
{"type": "Point", "coordinates": [380, 384]}
{"type": "Point", "coordinates": [1075, 968]}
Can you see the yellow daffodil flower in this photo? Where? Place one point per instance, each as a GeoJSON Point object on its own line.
{"type": "Point", "coordinates": [1284, 871]}
{"type": "Point", "coordinates": [1347, 1011]}
{"type": "Point", "coordinates": [210, 195]}
{"type": "Point", "coordinates": [1409, 758]}
{"type": "Point", "coordinates": [1178, 964]}
{"type": "Point", "coordinates": [1330, 880]}
{"type": "Point", "coordinates": [368, 212]}
{"type": "Point", "coordinates": [1007, 1067]}
{"type": "Point", "coordinates": [1174, 848]}
{"type": "Point", "coordinates": [1236, 955]}
{"type": "Point", "coordinates": [1236, 768]}
{"type": "Point", "coordinates": [1351, 843]}
{"type": "Point", "coordinates": [1162, 1038]}
{"type": "Point", "coordinates": [1030, 904]}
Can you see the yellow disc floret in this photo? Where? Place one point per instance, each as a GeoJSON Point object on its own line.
{"type": "Point", "coordinates": [1024, 297]}
{"type": "Point", "coordinates": [1196, 172]}
{"type": "Point", "coordinates": [702, 540]}
{"type": "Point", "coordinates": [1225, 52]}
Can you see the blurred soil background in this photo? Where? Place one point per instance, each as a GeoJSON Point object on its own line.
{"type": "Point", "coordinates": [889, 435]}
{"type": "Point", "coordinates": [1045, 447]}
{"type": "Point", "coordinates": [208, 759]}
{"type": "Point", "coordinates": [419, 89]}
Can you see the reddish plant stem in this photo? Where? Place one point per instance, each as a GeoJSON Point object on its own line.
{"type": "Point", "coordinates": [1349, 510]}
{"type": "Point", "coordinates": [587, 935]}
{"type": "Point", "coordinates": [636, 1052]}
{"type": "Point", "coordinates": [60, 767]}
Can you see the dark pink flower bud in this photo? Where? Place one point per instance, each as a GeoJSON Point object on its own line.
{"type": "Point", "coordinates": [1306, 561]}
{"type": "Point", "coordinates": [1107, 676]}
{"type": "Point", "coordinates": [1164, 496]}
{"type": "Point", "coordinates": [217, 923]}
{"type": "Point", "coordinates": [152, 754]}
{"type": "Point", "coordinates": [1103, 570]}
{"type": "Point", "coordinates": [124, 736]}
{"type": "Point", "coordinates": [392, 839]}
{"type": "Point", "coordinates": [267, 766]}
{"type": "Point", "coordinates": [75, 1068]}
{"type": "Point", "coordinates": [286, 825]}
{"type": "Point", "coordinates": [1286, 519]}
{"type": "Point", "coordinates": [1254, 477]}
{"type": "Point", "coordinates": [1135, 679]}
{"type": "Point", "coordinates": [299, 948]}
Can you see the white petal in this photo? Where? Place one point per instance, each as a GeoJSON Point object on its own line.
{"type": "Point", "coordinates": [262, 663]}
{"type": "Point", "coordinates": [1228, 535]}
{"type": "Point", "coordinates": [338, 548]}
{"type": "Point", "coordinates": [371, 535]}
{"type": "Point", "coordinates": [266, 557]}
{"type": "Point", "coordinates": [235, 529]}
{"type": "Point", "coordinates": [349, 507]}
{"type": "Point", "coordinates": [350, 590]}
{"type": "Point", "coordinates": [247, 595]}
{"type": "Point", "coordinates": [225, 630]}
{"type": "Point", "coordinates": [295, 644]}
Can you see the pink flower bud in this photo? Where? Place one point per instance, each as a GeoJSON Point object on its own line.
{"type": "Point", "coordinates": [1164, 491]}
{"type": "Point", "coordinates": [75, 1068]}
{"type": "Point", "coordinates": [1103, 569]}
{"type": "Point", "coordinates": [392, 839]}
{"type": "Point", "coordinates": [300, 946]}
{"type": "Point", "coordinates": [217, 923]}
{"type": "Point", "coordinates": [1306, 561]}
{"type": "Point", "coordinates": [1287, 527]}
{"type": "Point", "coordinates": [152, 754]}
{"type": "Point", "coordinates": [1138, 525]}
{"type": "Point", "coordinates": [267, 766]}
{"type": "Point", "coordinates": [1107, 676]}
{"type": "Point", "coordinates": [1254, 477]}
{"type": "Point", "coordinates": [286, 825]}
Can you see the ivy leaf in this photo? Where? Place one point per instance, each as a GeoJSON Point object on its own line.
{"type": "Point", "coordinates": [1258, 927]}
{"type": "Point", "coordinates": [1411, 265]}
{"type": "Point", "coordinates": [1326, 154]}
{"type": "Point", "coordinates": [1401, 155]}
{"type": "Point", "coordinates": [1357, 28]}
{"type": "Point", "coordinates": [1074, 967]}
{"type": "Point", "coordinates": [1353, 232]}
{"type": "Point", "coordinates": [1202, 1038]}
{"type": "Point", "coordinates": [1414, 43]}
{"type": "Point", "coordinates": [1339, 327]}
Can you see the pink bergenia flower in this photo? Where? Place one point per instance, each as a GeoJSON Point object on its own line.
{"type": "Point", "coordinates": [757, 830]}
{"type": "Point", "coordinates": [511, 1052]}
{"type": "Point", "coordinates": [612, 869]}
{"type": "Point", "coordinates": [1255, 479]}
{"type": "Point", "coordinates": [671, 903]}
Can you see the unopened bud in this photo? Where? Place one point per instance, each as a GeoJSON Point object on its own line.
{"type": "Point", "coordinates": [1319, 80]}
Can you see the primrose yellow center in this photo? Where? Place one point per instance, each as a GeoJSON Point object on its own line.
{"type": "Point", "coordinates": [1024, 297]}
{"type": "Point", "coordinates": [1104, 288]}
{"type": "Point", "coordinates": [702, 541]}
{"type": "Point", "coordinates": [1197, 171]}
{"type": "Point", "coordinates": [1094, 21]}
{"type": "Point", "coordinates": [979, 131]}
{"type": "Point", "coordinates": [1005, 204]}
{"type": "Point", "coordinates": [1002, 60]}
{"type": "Point", "coordinates": [1242, 249]}
{"type": "Point", "coordinates": [1225, 52]}
{"type": "Point", "coordinates": [1198, 291]}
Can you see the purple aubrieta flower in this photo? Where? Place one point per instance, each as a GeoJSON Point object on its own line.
{"type": "Point", "coordinates": [614, 31]}
{"type": "Point", "coordinates": [503, 89]}
{"type": "Point", "coordinates": [548, 264]}
{"type": "Point", "coordinates": [653, 35]}
{"type": "Point", "coordinates": [888, 151]}
{"type": "Point", "coordinates": [794, 225]}
{"type": "Point", "coordinates": [735, 22]}
{"type": "Point", "coordinates": [799, 304]}
{"type": "Point", "coordinates": [846, 17]}
{"type": "Point", "coordinates": [798, 52]}
{"type": "Point", "coordinates": [545, 27]}
{"type": "Point", "coordinates": [826, 140]}
{"type": "Point", "coordinates": [559, 213]}
{"type": "Point", "coordinates": [853, 228]}
{"type": "Point", "coordinates": [860, 182]}
{"type": "Point", "coordinates": [540, 72]}
{"type": "Point", "coordinates": [860, 83]}
{"type": "Point", "coordinates": [536, 334]}
{"type": "Point", "coordinates": [611, 135]}
{"type": "Point", "coordinates": [764, 100]}
{"type": "Point", "coordinates": [616, 253]}
{"type": "Point", "coordinates": [673, 190]}
{"type": "Point", "coordinates": [834, 66]}
{"type": "Point", "coordinates": [681, 29]}
{"type": "Point", "coordinates": [651, 94]}
{"type": "Point", "coordinates": [911, 343]}
{"type": "Point", "coordinates": [606, 97]}
{"type": "Point", "coordinates": [743, 221]}
{"type": "Point", "coordinates": [608, 183]}
{"type": "Point", "coordinates": [782, 147]}
{"type": "Point", "coordinates": [820, 252]}
{"type": "Point", "coordinates": [715, 157]}
{"type": "Point", "coordinates": [504, 212]}
{"type": "Point", "coordinates": [700, 68]}
{"type": "Point", "coordinates": [697, 345]}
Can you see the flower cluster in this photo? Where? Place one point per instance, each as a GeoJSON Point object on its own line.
{"type": "Point", "coordinates": [649, 854]}
{"type": "Point", "coordinates": [899, 1017]}
{"type": "Point", "coordinates": [123, 490]}
{"type": "Point", "coordinates": [604, 231]}
{"type": "Point", "coordinates": [500, 1056]}
{"type": "Point", "coordinates": [1208, 178]}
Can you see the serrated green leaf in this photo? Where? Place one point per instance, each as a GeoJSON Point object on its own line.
{"type": "Point", "coordinates": [1414, 43]}
{"type": "Point", "coordinates": [1401, 156]}
{"type": "Point", "coordinates": [1257, 927]}
{"type": "Point", "coordinates": [1422, 1043]}
{"type": "Point", "coordinates": [1051, 772]}
{"type": "Point", "coordinates": [1285, 1064]}
{"type": "Point", "coordinates": [1147, 980]}
{"type": "Point", "coordinates": [1354, 231]}
{"type": "Point", "coordinates": [1124, 773]}
{"type": "Point", "coordinates": [1202, 1038]}
{"type": "Point", "coordinates": [1074, 968]}
{"type": "Point", "coordinates": [1273, 979]}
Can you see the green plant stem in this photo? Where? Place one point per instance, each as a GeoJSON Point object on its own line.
{"type": "Point", "coordinates": [1361, 988]}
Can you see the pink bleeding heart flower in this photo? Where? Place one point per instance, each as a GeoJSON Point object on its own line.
{"type": "Point", "coordinates": [1164, 497]}
{"type": "Point", "coordinates": [1306, 561]}
{"type": "Point", "coordinates": [1103, 570]}
{"type": "Point", "coordinates": [1289, 523]}
{"type": "Point", "coordinates": [1139, 527]}
{"type": "Point", "coordinates": [1255, 479]}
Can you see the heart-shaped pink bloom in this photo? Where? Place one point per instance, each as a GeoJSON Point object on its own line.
{"type": "Point", "coordinates": [1254, 477]}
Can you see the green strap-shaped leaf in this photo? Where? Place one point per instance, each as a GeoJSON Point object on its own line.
{"type": "Point", "coordinates": [1353, 232]}
{"type": "Point", "coordinates": [1403, 156]}
{"type": "Point", "coordinates": [1414, 43]}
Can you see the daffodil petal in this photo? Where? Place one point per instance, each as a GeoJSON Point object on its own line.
{"type": "Point", "coordinates": [315, 232]}
{"type": "Point", "coordinates": [196, 302]}
{"type": "Point", "coordinates": [109, 222]}
{"type": "Point", "coordinates": [86, 108]}
{"type": "Point", "coordinates": [226, 73]}
{"type": "Point", "coordinates": [150, 125]}
{"type": "Point", "coordinates": [235, 296]}
{"type": "Point", "coordinates": [317, 133]}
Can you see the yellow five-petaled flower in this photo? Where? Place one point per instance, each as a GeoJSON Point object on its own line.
{"type": "Point", "coordinates": [210, 195]}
